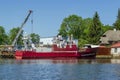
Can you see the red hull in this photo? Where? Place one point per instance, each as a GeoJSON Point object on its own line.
{"type": "Point", "coordinates": [55, 54]}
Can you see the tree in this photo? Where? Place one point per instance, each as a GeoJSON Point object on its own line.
{"type": "Point", "coordinates": [117, 22]}
{"type": "Point", "coordinates": [12, 35]}
{"type": "Point", "coordinates": [3, 36]}
{"type": "Point", "coordinates": [86, 23]}
{"type": "Point", "coordinates": [95, 30]}
{"type": "Point", "coordinates": [35, 38]}
{"type": "Point", "coordinates": [105, 28]}
{"type": "Point", "coordinates": [71, 25]}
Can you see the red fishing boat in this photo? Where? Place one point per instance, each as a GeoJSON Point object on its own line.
{"type": "Point", "coordinates": [59, 49]}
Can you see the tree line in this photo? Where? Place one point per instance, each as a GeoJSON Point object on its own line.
{"type": "Point", "coordinates": [88, 30]}
{"type": "Point", "coordinates": [7, 39]}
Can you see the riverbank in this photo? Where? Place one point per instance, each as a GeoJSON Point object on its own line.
{"type": "Point", "coordinates": [7, 54]}
{"type": "Point", "coordinates": [104, 57]}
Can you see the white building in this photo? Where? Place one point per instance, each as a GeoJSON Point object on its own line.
{"type": "Point", "coordinates": [115, 49]}
{"type": "Point", "coordinates": [46, 41]}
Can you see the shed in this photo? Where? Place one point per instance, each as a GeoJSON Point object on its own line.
{"type": "Point", "coordinates": [115, 49]}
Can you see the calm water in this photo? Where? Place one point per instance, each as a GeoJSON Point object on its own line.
{"type": "Point", "coordinates": [71, 69]}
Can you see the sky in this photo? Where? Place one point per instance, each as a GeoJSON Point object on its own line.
{"type": "Point", "coordinates": [48, 14]}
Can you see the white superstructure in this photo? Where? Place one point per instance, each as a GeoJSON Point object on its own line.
{"type": "Point", "coordinates": [46, 41]}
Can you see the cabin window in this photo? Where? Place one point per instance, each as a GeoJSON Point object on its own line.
{"type": "Point", "coordinates": [41, 42]}
{"type": "Point", "coordinates": [104, 36]}
{"type": "Point", "coordinates": [115, 50]}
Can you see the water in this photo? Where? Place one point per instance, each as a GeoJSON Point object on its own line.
{"type": "Point", "coordinates": [66, 69]}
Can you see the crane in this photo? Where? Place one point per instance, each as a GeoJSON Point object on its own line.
{"type": "Point", "coordinates": [8, 50]}
{"type": "Point", "coordinates": [22, 25]}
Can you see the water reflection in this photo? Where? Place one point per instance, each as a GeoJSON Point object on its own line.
{"type": "Point", "coordinates": [61, 61]}
{"type": "Point", "coordinates": [115, 61]}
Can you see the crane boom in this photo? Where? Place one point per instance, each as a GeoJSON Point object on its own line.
{"type": "Point", "coordinates": [19, 32]}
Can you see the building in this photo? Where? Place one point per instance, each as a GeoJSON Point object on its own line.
{"type": "Point", "coordinates": [115, 49]}
{"type": "Point", "coordinates": [110, 37]}
{"type": "Point", "coordinates": [45, 41]}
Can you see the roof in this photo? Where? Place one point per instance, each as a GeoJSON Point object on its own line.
{"type": "Point", "coordinates": [116, 45]}
{"type": "Point", "coordinates": [110, 35]}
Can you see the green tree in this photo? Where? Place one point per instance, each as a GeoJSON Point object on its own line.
{"type": "Point", "coordinates": [71, 25]}
{"type": "Point", "coordinates": [117, 22]}
{"type": "Point", "coordinates": [3, 36]}
{"type": "Point", "coordinates": [12, 35]}
{"type": "Point", "coordinates": [95, 30]}
{"type": "Point", "coordinates": [86, 23]}
{"type": "Point", "coordinates": [35, 38]}
{"type": "Point", "coordinates": [106, 28]}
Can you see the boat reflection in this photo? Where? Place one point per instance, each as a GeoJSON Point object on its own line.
{"type": "Point", "coordinates": [57, 61]}
{"type": "Point", "coordinates": [49, 61]}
